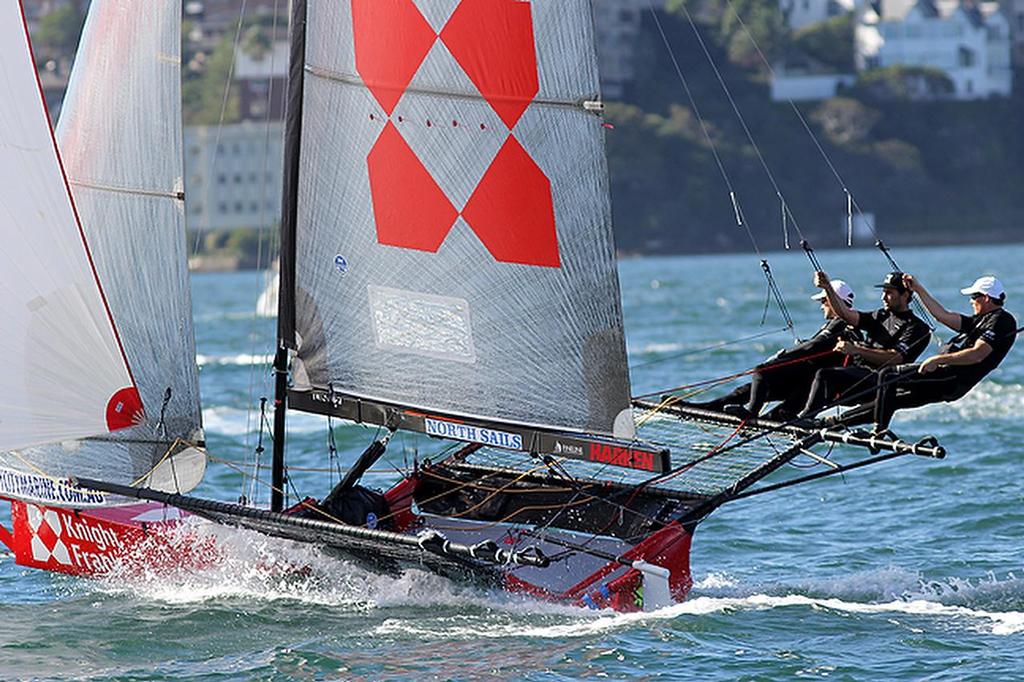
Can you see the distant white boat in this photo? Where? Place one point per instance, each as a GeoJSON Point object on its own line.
{"type": "Point", "coordinates": [266, 304]}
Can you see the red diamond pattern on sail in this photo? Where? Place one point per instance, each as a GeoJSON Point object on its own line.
{"type": "Point", "coordinates": [391, 41]}
{"type": "Point", "coordinates": [512, 212]}
{"type": "Point", "coordinates": [410, 209]}
{"type": "Point", "coordinates": [492, 40]}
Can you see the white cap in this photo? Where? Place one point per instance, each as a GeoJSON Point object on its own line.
{"type": "Point", "coordinates": [842, 289]}
{"type": "Point", "coordinates": [988, 285]}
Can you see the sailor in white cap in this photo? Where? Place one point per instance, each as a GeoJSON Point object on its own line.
{"type": "Point", "coordinates": [787, 375]}
{"type": "Point", "coordinates": [893, 334]}
{"type": "Point", "coordinates": [981, 343]}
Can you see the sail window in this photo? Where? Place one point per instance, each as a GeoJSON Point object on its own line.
{"type": "Point", "coordinates": [426, 324]}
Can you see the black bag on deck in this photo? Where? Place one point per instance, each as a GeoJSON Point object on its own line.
{"type": "Point", "coordinates": [358, 506]}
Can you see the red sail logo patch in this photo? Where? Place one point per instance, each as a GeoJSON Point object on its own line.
{"type": "Point", "coordinates": [511, 209]}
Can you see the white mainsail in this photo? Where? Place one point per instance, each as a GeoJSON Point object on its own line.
{"type": "Point", "coordinates": [120, 136]}
{"type": "Point", "coordinates": [454, 250]}
{"type": "Point", "coordinates": [65, 375]}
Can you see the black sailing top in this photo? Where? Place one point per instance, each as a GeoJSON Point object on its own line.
{"type": "Point", "coordinates": [997, 328]}
{"type": "Point", "coordinates": [903, 332]}
{"type": "Point", "coordinates": [823, 340]}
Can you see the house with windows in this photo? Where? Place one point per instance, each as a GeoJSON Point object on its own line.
{"type": "Point", "coordinates": [233, 175]}
{"type": "Point", "coordinates": [617, 24]}
{"type": "Point", "coordinates": [968, 41]}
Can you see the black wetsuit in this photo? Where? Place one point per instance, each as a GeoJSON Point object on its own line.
{"type": "Point", "coordinates": [904, 386]}
{"type": "Point", "coordinates": [787, 375]}
{"type": "Point", "coordinates": [854, 384]}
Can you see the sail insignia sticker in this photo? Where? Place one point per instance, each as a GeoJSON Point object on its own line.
{"type": "Point", "coordinates": [473, 434]}
{"type": "Point", "coordinates": [340, 264]}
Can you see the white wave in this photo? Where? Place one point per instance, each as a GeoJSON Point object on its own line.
{"type": "Point", "coordinates": [252, 566]}
{"type": "Point", "coordinates": [231, 421]}
{"type": "Point", "coordinates": [249, 565]}
{"type": "Point", "coordinates": [715, 581]}
{"type": "Point", "coordinates": [242, 359]}
{"type": "Point", "coordinates": [658, 348]}
{"type": "Point", "coordinates": [987, 400]}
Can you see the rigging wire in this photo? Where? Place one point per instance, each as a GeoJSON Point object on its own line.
{"type": "Point", "coordinates": [736, 110]}
{"type": "Point", "coordinates": [264, 367]}
{"type": "Point", "coordinates": [224, 102]}
{"type": "Point", "coordinates": [711, 347]}
{"type": "Point", "coordinates": [851, 203]}
{"type": "Point", "coordinates": [737, 209]}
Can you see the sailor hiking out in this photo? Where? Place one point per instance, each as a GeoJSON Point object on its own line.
{"type": "Point", "coordinates": [787, 375]}
{"type": "Point", "coordinates": [981, 343]}
{"type": "Point", "coordinates": [894, 335]}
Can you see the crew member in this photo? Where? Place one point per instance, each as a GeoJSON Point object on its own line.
{"type": "Point", "coordinates": [981, 343]}
{"type": "Point", "coordinates": [894, 335]}
{"type": "Point", "coordinates": [787, 375]}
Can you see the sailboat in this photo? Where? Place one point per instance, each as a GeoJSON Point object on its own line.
{"type": "Point", "coordinates": [447, 269]}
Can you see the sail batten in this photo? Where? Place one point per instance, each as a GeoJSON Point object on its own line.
{"type": "Point", "coordinates": [177, 196]}
{"type": "Point", "coordinates": [453, 245]}
{"type": "Point", "coordinates": [356, 81]}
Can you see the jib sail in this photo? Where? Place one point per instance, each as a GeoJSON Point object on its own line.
{"type": "Point", "coordinates": [121, 139]}
{"type": "Point", "coordinates": [64, 374]}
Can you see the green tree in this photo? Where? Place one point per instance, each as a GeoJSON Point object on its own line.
{"type": "Point", "coordinates": [845, 121]}
{"type": "Point", "coordinates": [257, 42]}
{"type": "Point", "coordinates": [829, 42]}
{"type": "Point", "coordinates": [203, 93]}
{"type": "Point", "coordinates": [903, 83]}
{"type": "Point", "coordinates": [59, 30]}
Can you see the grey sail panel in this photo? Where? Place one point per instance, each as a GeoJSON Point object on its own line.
{"type": "Point", "coordinates": [121, 140]}
{"type": "Point", "coordinates": [454, 249]}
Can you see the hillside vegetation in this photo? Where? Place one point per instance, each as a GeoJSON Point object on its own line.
{"type": "Point", "coordinates": [932, 171]}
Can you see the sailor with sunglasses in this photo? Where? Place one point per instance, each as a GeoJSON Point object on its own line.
{"type": "Point", "coordinates": [981, 343]}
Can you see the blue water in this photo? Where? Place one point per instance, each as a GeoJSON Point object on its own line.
{"type": "Point", "coordinates": [904, 571]}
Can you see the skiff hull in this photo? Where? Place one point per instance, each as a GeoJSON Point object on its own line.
{"type": "Point", "coordinates": [150, 537]}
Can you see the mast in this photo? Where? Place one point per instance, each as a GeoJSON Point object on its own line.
{"type": "Point", "coordinates": [289, 210]}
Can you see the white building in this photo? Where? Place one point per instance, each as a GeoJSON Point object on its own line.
{"type": "Point", "coordinates": [617, 25]}
{"type": "Point", "coordinates": [800, 13]}
{"type": "Point", "coordinates": [967, 41]}
{"type": "Point", "coordinates": [233, 177]}
{"type": "Point", "coordinates": [802, 85]}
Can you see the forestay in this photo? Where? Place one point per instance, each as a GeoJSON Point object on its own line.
{"type": "Point", "coordinates": [454, 249]}
{"type": "Point", "coordinates": [121, 139]}
{"type": "Point", "coordinates": [64, 373]}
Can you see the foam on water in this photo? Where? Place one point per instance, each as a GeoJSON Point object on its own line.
{"type": "Point", "coordinates": [987, 400]}
{"type": "Point", "coordinates": [241, 359]}
{"type": "Point", "coordinates": [257, 568]}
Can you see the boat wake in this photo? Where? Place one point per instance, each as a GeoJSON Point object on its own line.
{"type": "Point", "coordinates": [421, 604]}
{"type": "Point", "coordinates": [253, 566]}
